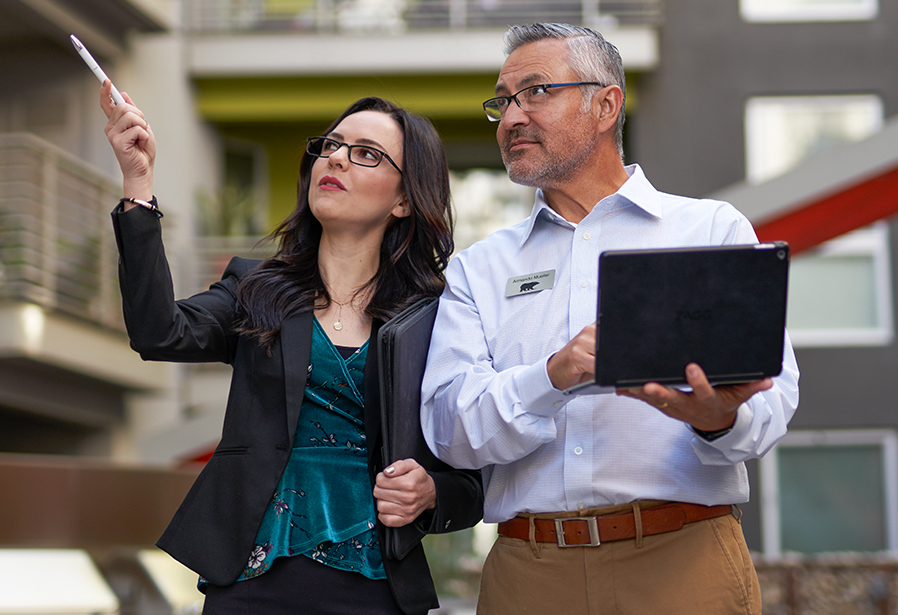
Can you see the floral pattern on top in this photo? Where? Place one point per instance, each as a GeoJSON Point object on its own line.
{"type": "Point", "coordinates": [323, 507]}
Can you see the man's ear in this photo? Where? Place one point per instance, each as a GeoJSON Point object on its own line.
{"type": "Point", "coordinates": [607, 106]}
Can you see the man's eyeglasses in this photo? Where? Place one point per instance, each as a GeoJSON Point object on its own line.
{"type": "Point", "coordinates": [362, 155]}
{"type": "Point", "coordinates": [529, 99]}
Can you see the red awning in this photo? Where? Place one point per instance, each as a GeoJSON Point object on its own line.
{"type": "Point", "coordinates": [836, 214]}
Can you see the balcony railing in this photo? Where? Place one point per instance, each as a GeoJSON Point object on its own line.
{"type": "Point", "coordinates": [56, 244]}
{"type": "Point", "coordinates": [398, 16]}
{"type": "Point", "coordinates": [214, 253]}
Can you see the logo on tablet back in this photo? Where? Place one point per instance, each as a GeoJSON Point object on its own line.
{"type": "Point", "coordinates": [693, 315]}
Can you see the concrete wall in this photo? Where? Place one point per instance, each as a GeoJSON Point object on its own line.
{"type": "Point", "coordinates": [687, 131]}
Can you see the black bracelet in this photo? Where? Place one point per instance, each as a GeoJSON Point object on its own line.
{"type": "Point", "coordinates": [151, 204]}
{"type": "Point", "coordinates": [712, 435]}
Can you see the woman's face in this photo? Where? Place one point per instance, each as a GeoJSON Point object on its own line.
{"type": "Point", "coordinates": [349, 198]}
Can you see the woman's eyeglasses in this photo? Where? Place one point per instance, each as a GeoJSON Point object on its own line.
{"type": "Point", "coordinates": [362, 155]}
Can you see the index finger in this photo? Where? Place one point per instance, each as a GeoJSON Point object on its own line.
{"type": "Point", "coordinates": [400, 467]}
{"type": "Point", "coordinates": [106, 102]}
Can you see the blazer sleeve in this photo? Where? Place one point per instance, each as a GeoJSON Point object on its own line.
{"type": "Point", "coordinates": [197, 329]}
{"type": "Point", "coordinates": [459, 501]}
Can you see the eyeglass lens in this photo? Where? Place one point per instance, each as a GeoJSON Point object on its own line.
{"type": "Point", "coordinates": [361, 155]}
{"type": "Point", "coordinates": [528, 99]}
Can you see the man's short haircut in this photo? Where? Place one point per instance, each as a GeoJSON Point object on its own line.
{"type": "Point", "coordinates": [592, 58]}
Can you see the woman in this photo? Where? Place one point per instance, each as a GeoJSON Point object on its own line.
{"type": "Point", "coordinates": [288, 515]}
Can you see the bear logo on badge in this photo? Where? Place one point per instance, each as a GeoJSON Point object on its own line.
{"type": "Point", "coordinates": [527, 287]}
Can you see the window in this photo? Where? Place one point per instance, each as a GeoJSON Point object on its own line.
{"type": "Point", "coordinates": [829, 491]}
{"type": "Point", "coordinates": [780, 131]}
{"type": "Point", "coordinates": [237, 209]}
{"type": "Point", "coordinates": [840, 293]}
{"type": "Point", "coordinates": [808, 10]}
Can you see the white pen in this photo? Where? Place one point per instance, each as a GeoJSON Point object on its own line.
{"type": "Point", "coordinates": [94, 67]}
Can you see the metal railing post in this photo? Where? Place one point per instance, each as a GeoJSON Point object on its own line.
{"type": "Point", "coordinates": [49, 207]}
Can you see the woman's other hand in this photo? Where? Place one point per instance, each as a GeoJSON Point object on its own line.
{"type": "Point", "coordinates": [132, 141]}
{"type": "Point", "coordinates": [403, 491]}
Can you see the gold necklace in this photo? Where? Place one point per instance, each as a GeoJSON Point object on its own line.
{"type": "Point", "coordinates": [338, 324]}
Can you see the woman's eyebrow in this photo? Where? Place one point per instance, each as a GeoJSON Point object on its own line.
{"type": "Point", "coordinates": [363, 140]}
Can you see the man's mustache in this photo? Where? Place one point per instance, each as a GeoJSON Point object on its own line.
{"type": "Point", "coordinates": [521, 135]}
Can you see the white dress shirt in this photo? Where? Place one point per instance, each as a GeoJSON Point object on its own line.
{"type": "Point", "coordinates": [487, 398]}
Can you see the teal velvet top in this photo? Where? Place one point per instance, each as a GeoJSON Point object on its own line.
{"type": "Point", "coordinates": [323, 507]}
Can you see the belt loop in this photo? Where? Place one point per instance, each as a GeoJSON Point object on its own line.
{"type": "Point", "coordinates": [637, 516]}
{"type": "Point", "coordinates": [537, 550]}
{"type": "Point", "coordinates": [737, 512]}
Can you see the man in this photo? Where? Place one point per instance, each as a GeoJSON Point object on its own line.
{"type": "Point", "coordinates": [654, 470]}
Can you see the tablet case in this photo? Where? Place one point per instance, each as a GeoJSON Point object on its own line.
{"type": "Point", "coordinates": [722, 307]}
{"type": "Point", "coordinates": [403, 343]}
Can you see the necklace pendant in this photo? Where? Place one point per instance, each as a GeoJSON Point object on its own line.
{"type": "Point", "coordinates": [338, 326]}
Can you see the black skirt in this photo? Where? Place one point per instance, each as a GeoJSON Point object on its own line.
{"type": "Point", "coordinates": [298, 585]}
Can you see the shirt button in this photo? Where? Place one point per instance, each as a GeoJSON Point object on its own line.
{"type": "Point", "coordinates": [558, 404]}
{"type": "Point", "coordinates": [581, 506]}
{"type": "Point", "coordinates": [587, 236]}
{"type": "Point", "coordinates": [578, 451]}
{"type": "Point", "coordinates": [584, 283]}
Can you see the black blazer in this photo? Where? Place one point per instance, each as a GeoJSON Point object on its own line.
{"type": "Point", "coordinates": [214, 529]}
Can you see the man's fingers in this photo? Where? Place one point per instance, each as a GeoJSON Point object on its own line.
{"type": "Point", "coordinates": [696, 378]}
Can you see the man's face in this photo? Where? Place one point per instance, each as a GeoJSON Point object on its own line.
{"type": "Point", "coordinates": [549, 146]}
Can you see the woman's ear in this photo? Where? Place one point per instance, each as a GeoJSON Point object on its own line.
{"type": "Point", "coordinates": [402, 209]}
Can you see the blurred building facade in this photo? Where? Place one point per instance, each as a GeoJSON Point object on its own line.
{"type": "Point", "coordinates": [753, 100]}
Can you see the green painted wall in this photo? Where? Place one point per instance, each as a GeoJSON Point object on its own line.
{"type": "Point", "coordinates": [279, 99]}
{"type": "Point", "coordinates": [278, 113]}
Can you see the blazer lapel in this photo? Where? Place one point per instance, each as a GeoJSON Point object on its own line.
{"type": "Point", "coordinates": [372, 399]}
{"type": "Point", "coordinates": [296, 347]}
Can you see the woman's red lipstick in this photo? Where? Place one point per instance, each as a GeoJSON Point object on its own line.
{"type": "Point", "coordinates": [330, 183]}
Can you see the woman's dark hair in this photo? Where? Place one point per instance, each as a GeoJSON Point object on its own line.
{"type": "Point", "coordinates": [414, 252]}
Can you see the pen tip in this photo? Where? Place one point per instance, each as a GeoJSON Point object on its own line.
{"type": "Point", "coordinates": [76, 42]}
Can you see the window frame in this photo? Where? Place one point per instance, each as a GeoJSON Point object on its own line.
{"type": "Point", "coordinates": [887, 439]}
{"type": "Point", "coordinates": [756, 119]}
{"type": "Point", "coordinates": [847, 10]}
{"type": "Point", "coordinates": [873, 241]}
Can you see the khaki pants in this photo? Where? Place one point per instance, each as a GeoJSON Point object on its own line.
{"type": "Point", "coordinates": [702, 569]}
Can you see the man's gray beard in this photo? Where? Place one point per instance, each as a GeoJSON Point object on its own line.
{"type": "Point", "coordinates": [555, 174]}
{"type": "Point", "coordinates": [557, 171]}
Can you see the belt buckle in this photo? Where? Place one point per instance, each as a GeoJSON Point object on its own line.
{"type": "Point", "coordinates": [591, 523]}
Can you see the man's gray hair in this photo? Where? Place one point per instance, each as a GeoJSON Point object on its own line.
{"type": "Point", "coordinates": [592, 58]}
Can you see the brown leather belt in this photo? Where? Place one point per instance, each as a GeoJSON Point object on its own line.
{"type": "Point", "coordinates": [592, 531]}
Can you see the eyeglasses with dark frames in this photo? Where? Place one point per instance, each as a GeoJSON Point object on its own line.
{"type": "Point", "coordinates": [362, 155]}
{"type": "Point", "coordinates": [530, 98]}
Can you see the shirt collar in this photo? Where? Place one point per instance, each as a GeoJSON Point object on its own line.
{"type": "Point", "coordinates": [637, 190]}
{"type": "Point", "coordinates": [542, 210]}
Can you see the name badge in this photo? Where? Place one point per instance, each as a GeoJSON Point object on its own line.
{"type": "Point", "coordinates": [530, 283]}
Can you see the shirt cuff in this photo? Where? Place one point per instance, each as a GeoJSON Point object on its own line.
{"type": "Point", "coordinates": [538, 395]}
{"type": "Point", "coordinates": [743, 422]}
